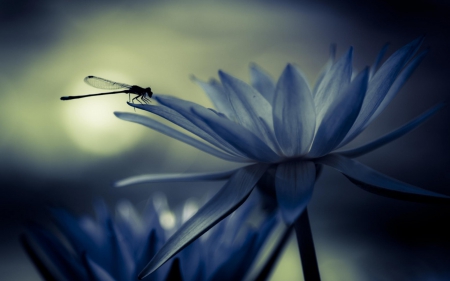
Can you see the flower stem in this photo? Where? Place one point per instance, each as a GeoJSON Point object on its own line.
{"type": "Point", "coordinates": [306, 248]}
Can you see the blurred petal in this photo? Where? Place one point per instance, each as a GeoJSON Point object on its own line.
{"type": "Point", "coordinates": [248, 104]}
{"type": "Point", "coordinates": [408, 127]}
{"type": "Point", "coordinates": [229, 197]}
{"type": "Point", "coordinates": [375, 182]}
{"type": "Point", "coordinates": [96, 272]}
{"type": "Point", "coordinates": [332, 85]}
{"type": "Point", "coordinates": [240, 261]}
{"type": "Point", "coordinates": [164, 129]}
{"type": "Point", "coordinates": [217, 95]}
{"type": "Point", "coordinates": [123, 263]}
{"type": "Point", "coordinates": [398, 84]}
{"type": "Point", "coordinates": [262, 82]}
{"type": "Point", "coordinates": [79, 239]}
{"type": "Point", "coordinates": [380, 84]}
{"type": "Point", "coordinates": [192, 261]}
{"type": "Point", "coordinates": [294, 116]}
{"type": "Point", "coordinates": [374, 67]}
{"type": "Point", "coordinates": [339, 117]}
{"type": "Point", "coordinates": [294, 182]}
{"type": "Point", "coordinates": [174, 178]}
{"type": "Point", "coordinates": [60, 259]}
{"type": "Point", "coordinates": [238, 136]}
{"type": "Point", "coordinates": [34, 257]}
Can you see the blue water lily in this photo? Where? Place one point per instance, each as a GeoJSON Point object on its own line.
{"type": "Point", "coordinates": [107, 248]}
{"type": "Point", "coordinates": [286, 131]}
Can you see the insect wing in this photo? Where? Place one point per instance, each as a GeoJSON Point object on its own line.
{"type": "Point", "coordinates": [104, 84]}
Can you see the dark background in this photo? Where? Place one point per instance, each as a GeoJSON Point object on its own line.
{"type": "Point", "coordinates": [68, 153]}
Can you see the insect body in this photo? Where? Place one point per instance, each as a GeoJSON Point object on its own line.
{"type": "Point", "coordinates": [144, 94]}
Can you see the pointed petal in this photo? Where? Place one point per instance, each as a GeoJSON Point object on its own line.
{"type": "Point", "coordinates": [398, 84]}
{"type": "Point", "coordinates": [61, 259]}
{"type": "Point", "coordinates": [217, 95]}
{"type": "Point", "coordinates": [377, 62]}
{"type": "Point", "coordinates": [79, 239]}
{"type": "Point", "coordinates": [164, 129]}
{"type": "Point", "coordinates": [230, 197]}
{"type": "Point", "coordinates": [40, 265]}
{"type": "Point", "coordinates": [193, 260]}
{"type": "Point", "coordinates": [294, 115]}
{"type": "Point", "coordinates": [378, 183]}
{"type": "Point", "coordinates": [174, 178]}
{"type": "Point", "coordinates": [270, 137]}
{"type": "Point", "coordinates": [239, 137]}
{"type": "Point", "coordinates": [123, 263]}
{"type": "Point", "coordinates": [325, 69]}
{"type": "Point", "coordinates": [334, 82]}
{"type": "Point", "coordinates": [248, 104]}
{"type": "Point", "coordinates": [179, 120]}
{"type": "Point", "coordinates": [262, 82]}
{"type": "Point", "coordinates": [96, 272]}
{"type": "Point", "coordinates": [184, 108]}
{"type": "Point", "coordinates": [408, 127]}
{"type": "Point", "coordinates": [380, 84]}
{"type": "Point", "coordinates": [339, 117]}
{"type": "Point", "coordinates": [294, 182]}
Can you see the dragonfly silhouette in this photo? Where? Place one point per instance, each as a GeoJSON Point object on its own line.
{"type": "Point", "coordinates": [143, 93]}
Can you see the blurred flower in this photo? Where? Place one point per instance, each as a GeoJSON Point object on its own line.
{"type": "Point", "coordinates": [290, 130]}
{"type": "Point", "coordinates": [84, 248]}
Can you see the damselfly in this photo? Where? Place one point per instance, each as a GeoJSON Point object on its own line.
{"type": "Point", "coordinates": [100, 83]}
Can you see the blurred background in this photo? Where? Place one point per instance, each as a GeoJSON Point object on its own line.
{"type": "Point", "coordinates": [67, 154]}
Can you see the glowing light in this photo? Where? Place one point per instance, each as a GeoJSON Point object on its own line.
{"type": "Point", "coordinates": [91, 124]}
{"type": "Point", "coordinates": [189, 209]}
{"type": "Point", "coordinates": [167, 220]}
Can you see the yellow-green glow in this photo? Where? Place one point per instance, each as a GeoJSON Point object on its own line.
{"type": "Point", "coordinates": [334, 265]}
{"type": "Point", "coordinates": [90, 121]}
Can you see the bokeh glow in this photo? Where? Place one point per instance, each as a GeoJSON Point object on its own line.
{"type": "Point", "coordinates": [90, 123]}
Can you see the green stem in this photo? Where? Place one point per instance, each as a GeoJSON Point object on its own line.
{"type": "Point", "coordinates": [306, 248]}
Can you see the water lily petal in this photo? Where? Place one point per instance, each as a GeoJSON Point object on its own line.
{"type": "Point", "coordinates": [378, 183]}
{"type": "Point", "coordinates": [164, 129]}
{"type": "Point", "coordinates": [217, 95]}
{"type": "Point", "coordinates": [408, 127]}
{"type": "Point", "coordinates": [294, 182]}
{"type": "Point", "coordinates": [123, 263]}
{"type": "Point", "coordinates": [96, 272]}
{"type": "Point", "coordinates": [332, 85]}
{"type": "Point", "coordinates": [235, 268]}
{"type": "Point", "coordinates": [174, 178]}
{"type": "Point", "coordinates": [40, 265]}
{"type": "Point", "coordinates": [325, 69]}
{"type": "Point", "coordinates": [248, 104]}
{"type": "Point", "coordinates": [185, 108]}
{"type": "Point", "coordinates": [79, 239]}
{"type": "Point", "coordinates": [228, 198]}
{"type": "Point", "coordinates": [270, 137]}
{"type": "Point", "coordinates": [239, 137]}
{"type": "Point", "coordinates": [374, 67]}
{"type": "Point", "coordinates": [179, 120]}
{"type": "Point", "coordinates": [398, 84]}
{"type": "Point", "coordinates": [340, 116]}
{"type": "Point", "coordinates": [380, 84]}
{"type": "Point", "coordinates": [61, 259]}
{"type": "Point", "coordinates": [294, 115]}
{"type": "Point", "coordinates": [262, 82]}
